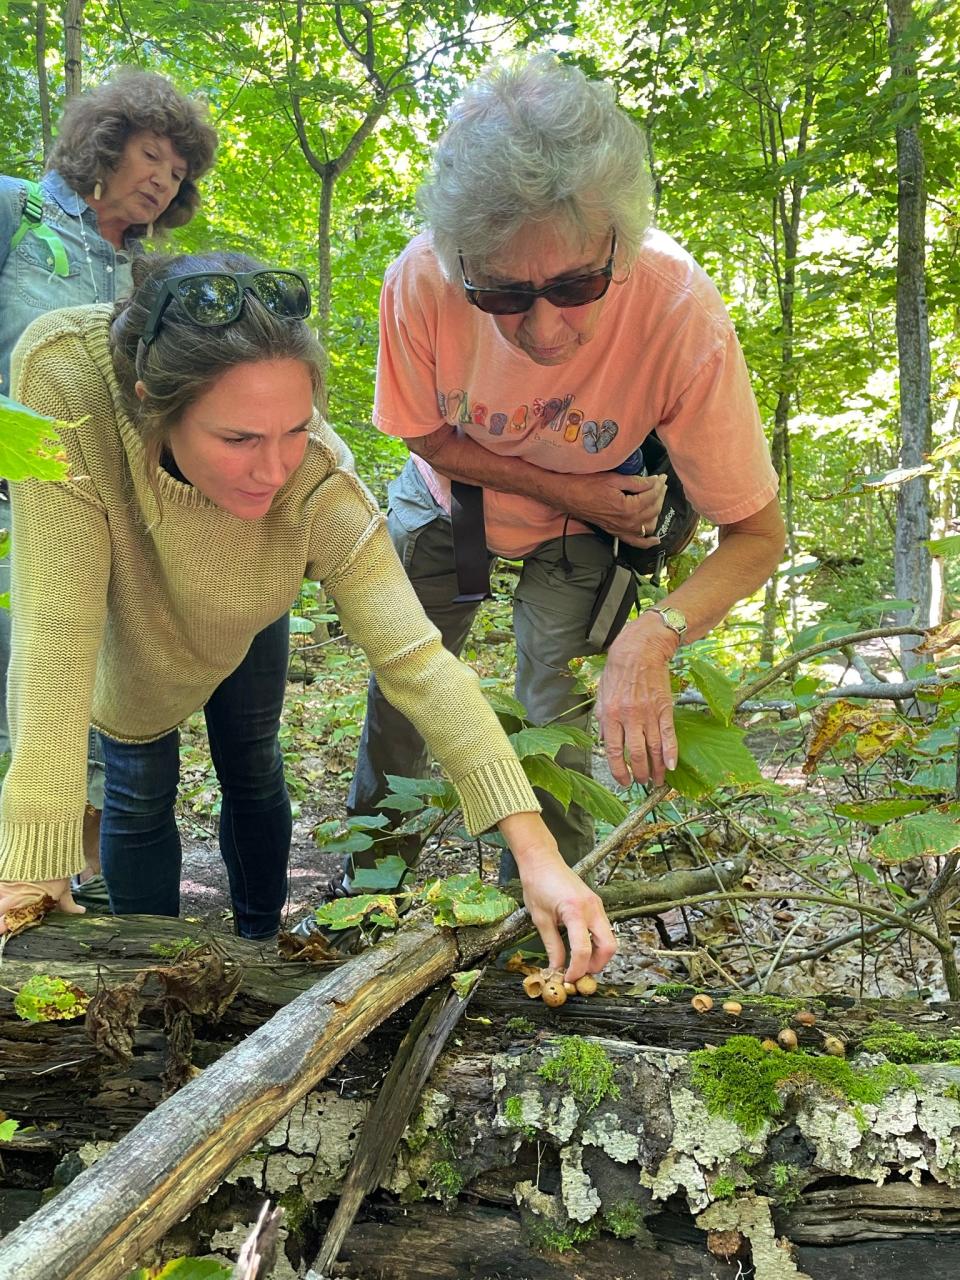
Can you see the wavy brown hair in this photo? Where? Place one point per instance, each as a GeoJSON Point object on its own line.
{"type": "Point", "coordinates": [186, 359]}
{"type": "Point", "coordinates": [96, 126]}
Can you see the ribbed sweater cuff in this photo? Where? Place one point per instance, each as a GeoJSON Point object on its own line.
{"type": "Point", "coordinates": [495, 791]}
{"type": "Point", "coordinates": [41, 850]}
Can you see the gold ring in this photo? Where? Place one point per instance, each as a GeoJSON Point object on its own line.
{"type": "Point", "coordinates": [643, 531]}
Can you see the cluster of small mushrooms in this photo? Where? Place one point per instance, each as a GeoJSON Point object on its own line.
{"type": "Point", "coordinates": [548, 985]}
{"type": "Point", "coordinates": [787, 1037]}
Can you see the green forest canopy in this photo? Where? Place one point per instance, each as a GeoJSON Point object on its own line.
{"type": "Point", "coordinates": [772, 138]}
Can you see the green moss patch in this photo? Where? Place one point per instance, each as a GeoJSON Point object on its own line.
{"type": "Point", "coordinates": [741, 1079]}
{"type": "Point", "coordinates": [898, 1045]}
{"type": "Point", "coordinates": [582, 1069]}
{"type": "Point", "coordinates": [445, 1179]}
{"type": "Point", "coordinates": [625, 1220]}
{"type": "Point", "coordinates": [561, 1240]}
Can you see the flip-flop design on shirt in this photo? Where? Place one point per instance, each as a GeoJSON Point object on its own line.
{"type": "Point", "coordinates": [597, 437]}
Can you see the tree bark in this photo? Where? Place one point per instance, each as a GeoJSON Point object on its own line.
{"type": "Point", "coordinates": [73, 47]}
{"type": "Point", "coordinates": [912, 561]}
{"type": "Point", "coordinates": [43, 88]}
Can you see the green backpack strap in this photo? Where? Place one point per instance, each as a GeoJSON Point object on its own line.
{"type": "Point", "coordinates": [32, 220]}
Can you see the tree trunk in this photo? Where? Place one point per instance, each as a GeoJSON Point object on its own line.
{"type": "Point", "coordinates": [912, 565]}
{"type": "Point", "coordinates": [73, 47]}
{"type": "Point", "coordinates": [43, 89]}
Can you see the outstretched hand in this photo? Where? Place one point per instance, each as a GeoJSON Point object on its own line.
{"type": "Point", "coordinates": [558, 899]}
{"type": "Point", "coordinates": [15, 894]}
{"type": "Point", "coordinates": [635, 704]}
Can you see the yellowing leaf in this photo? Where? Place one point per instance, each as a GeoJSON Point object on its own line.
{"type": "Point", "coordinates": [922, 835]}
{"type": "Point", "coordinates": [46, 999]}
{"type": "Point", "coordinates": [19, 918]}
{"type": "Point", "coordinates": [464, 981]}
{"type": "Point", "coordinates": [940, 639]}
{"type": "Point", "coordinates": [875, 730]}
{"type": "Point", "coordinates": [466, 900]}
{"type": "Point", "coordinates": [350, 913]}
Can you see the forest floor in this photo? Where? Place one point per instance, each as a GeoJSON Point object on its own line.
{"type": "Point", "coordinates": [722, 945]}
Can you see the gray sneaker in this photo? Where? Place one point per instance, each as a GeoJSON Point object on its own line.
{"type": "Point", "coordinates": [91, 893]}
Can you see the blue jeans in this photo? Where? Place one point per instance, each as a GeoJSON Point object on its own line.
{"type": "Point", "coordinates": [139, 842]}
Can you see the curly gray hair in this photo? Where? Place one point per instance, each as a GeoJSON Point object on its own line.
{"type": "Point", "coordinates": [535, 141]}
{"type": "Point", "coordinates": [96, 126]}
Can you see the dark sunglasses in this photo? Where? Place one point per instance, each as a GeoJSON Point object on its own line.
{"type": "Point", "coordinates": [216, 297]}
{"type": "Point", "coordinates": [510, 300]}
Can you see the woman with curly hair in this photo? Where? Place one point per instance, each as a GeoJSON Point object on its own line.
{"type": "Point", "coordinates": [124, 167]}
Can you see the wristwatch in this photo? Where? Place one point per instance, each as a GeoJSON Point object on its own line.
{"type": "Point", "coordinates": [671, 618]}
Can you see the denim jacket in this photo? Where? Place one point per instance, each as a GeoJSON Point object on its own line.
{"type": "Point", "coordinates": [28, 285]}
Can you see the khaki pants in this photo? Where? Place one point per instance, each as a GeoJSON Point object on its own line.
{"type": "Point", "coordinates": [554, 596]}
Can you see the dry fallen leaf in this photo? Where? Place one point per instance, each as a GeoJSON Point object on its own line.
{"type": "Point", "coordinates": [312, 950]}
{"type": "Point", "coordinates": [20, 918]}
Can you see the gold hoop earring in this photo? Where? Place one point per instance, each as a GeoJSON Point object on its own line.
{"type": "Point", "coordinates": [98, 190]}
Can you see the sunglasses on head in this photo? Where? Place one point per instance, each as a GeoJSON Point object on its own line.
{"type": "Point", "coordinates": [216, 297]}
{"type": "Point", "coordinates": [510, 300]}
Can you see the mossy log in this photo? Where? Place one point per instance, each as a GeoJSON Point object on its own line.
{"type": "Point", "coordinates": [490, 1127]}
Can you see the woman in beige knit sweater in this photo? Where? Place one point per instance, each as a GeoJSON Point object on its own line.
{"type": "Point", "coordinates": [202, 487]}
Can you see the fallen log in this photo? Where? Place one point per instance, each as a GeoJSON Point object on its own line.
{"type": "Point", "coordinates": [609, 1154]}
{"type": "Point", "coordinates": [100, 1224]}
{"type": "Point", "coordinates": [479, 1242]}
{"type": "Point", "coordinates": [303, 1158]}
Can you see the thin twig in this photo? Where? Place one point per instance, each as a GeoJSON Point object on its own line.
{"type": "Point", "coordinates": [773, 963]}
{"type": "Point", "coordinates": [891, 919]}
{"type": "Point", "coordinates": [774, 674]}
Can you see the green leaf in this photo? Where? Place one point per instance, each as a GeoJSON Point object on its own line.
{"type": "Point", "coordinates": [546, 740]}
{"type": "Point", "coordinates": [349, 913]}
{"type": "Point", "coordinates": [442, 794]}
{"type": "Point", "coordinates": [301, 626]}
{"type": "Point", "coordinates": [186, 1269]}
{"type": "Point", "coordinates": [949, 546]}
{"type": "Point", "coordinates": [866, 871]}
{"type": "Point", "coordinates": [799, 570]}
{"type": "Point", "coordinates": [466, 900]}
{"type": "Point", "coordinates": [552, 777]}
{"type": "Point", "coordinates": [505, 705]}
{"type": "Point", "coordinates": [923, 835]}
{"type": "Point", "coordinates": [717, 688]}
{"type": "Point", "coordinates": [28, 447]}
{"type": "Point", "coordinates": [712, 755]}
{"type": "Point", "coordinates": [464, 981]}
{"type": "Point", "coordinates": [597, 799]}
{"type": "Point", "coordinates": [46, 999]}
{"type": "Point", "coordinates": [818, 633]}
{"type": "Point", "coordinates": [929, 780]}
{"type": "Point", "coordinates": [333, 837]}
{"type": "Point", "coordinates": [877, 812]}
{"type": "Point", "coordinates": [7, 1129]}
{"type": "Point", "coordinates": [387, 875]}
